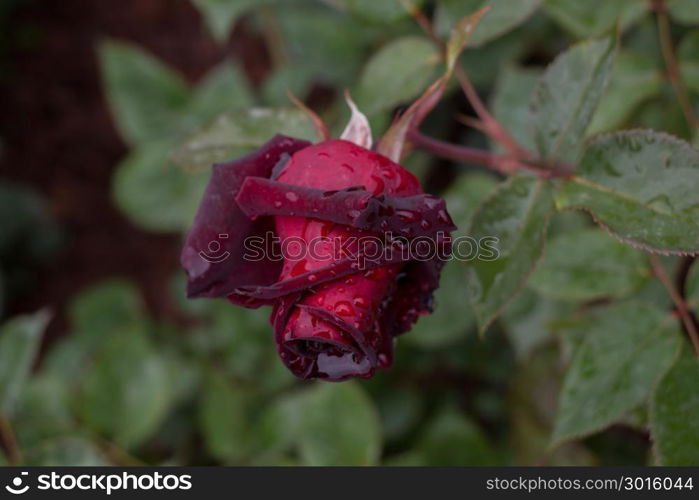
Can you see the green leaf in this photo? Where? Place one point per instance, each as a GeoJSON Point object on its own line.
{"type": "Point", "coordinates": [452, 317]}
{"type": "Point", "coordinates": [567, 96]}
{"type": "Point", "coordinates": [401, 410]}
{"type": "Point", "coordinates": [19, 342]}
{"type": "Point", "coordinates": [225, 419]}
{"type": "Point", "coordinates": [688, 55]}
{"type": "Point", "coordinates": [465, 194]}
{"type": "Point", "coordinates": [640, 185]}
{"type": "Point", "coordinates": [44, 409]}
{"type": "Point", "coordinates": [126, 394]}
{"type": "Point", "coordinates": [625, 351]}
{"type": "Point", "coordinates": [340, 426]}
{"type": "Point", "coordinates": [510, 103]}
{"type": "Point", "coordinates": [235, 132]}
{"type": "Point", "coordinates": [224, 88]}
{"type": "Point", "coordinates": [635, 78]}
{"type": "Point", "coordinates": [156, 194]}
{"type": "Point", "coordinates": [408, 63]}
{"type": "Point", "coordinates": [684, 11]}
{"type": "Point", "coordinates": [594, 17]}
{"type": "Point", "coordinates": [529, 320]}
{"type": "Point", "coordinates": [674, 431]}
{"type": "Point", "coordinates": [325, 44]}
{"type": "Point", "coordinates": [504, 16]}
{"type": "Point", "coordinates": [383, 12]}
{"type": "Point", "coordinates": [146, 97]}
{"type": "Point", "coordinates": [516, 216]}
{"type": "Point", "coordinates": [105, 308]}
{"type": "Point", "coordinates": [221, 15]}
{"type": "Point", "coordinates": [452, 439]}
{"type": "Point", "coordinates": [588, 265]}
{"type": "Point", "coordinates": [67, 451]}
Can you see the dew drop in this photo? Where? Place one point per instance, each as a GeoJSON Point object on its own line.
{"type": "Point", "coordinates": [380, 186]}
{"type": "Point", "coordinates": [443, 217]}
{"type": "Point", "coordinates": [361, 301]}
{"type": "Point", "coordinates": [292, 196]}
{"type": "Point", "coordinates": [431, 202]}
{"type": "Point", "coordinates": [299, 268]}
{"type": "Point", "coordinates": [312, 278]}
{"type": "Point", "coordinates": [348, 167]}
{"type": "Point", "coordinates": [344, 308]}
{"type": "Point", "coordinates": [376, 274]}
{"type": "Point", "coordinates": [277, 204]}
{"type": "Point", "coordinates": [407, 215]}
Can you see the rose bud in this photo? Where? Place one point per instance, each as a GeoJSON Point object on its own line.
{"type": "Point", "coordinates": [369, 248]}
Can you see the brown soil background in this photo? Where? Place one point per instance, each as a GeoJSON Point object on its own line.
{"type": "Point", "coordinates": [58, 136]}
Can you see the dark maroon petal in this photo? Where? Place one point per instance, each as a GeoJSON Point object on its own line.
{"type": "Point", "coordinates": [411, 216]}
{"type": "Point", "coordinates": [300, 366]}
{"type": "Point", "coordinates": [414, 291]}
{"type": "Point", "coordinates": [336, 270]}
{"type": "Point", "coordinates": [213, 251]}
{"type": "Point", "coordinates": [314, 357]}
{"type": "Point", "coordinates": [368, 346]}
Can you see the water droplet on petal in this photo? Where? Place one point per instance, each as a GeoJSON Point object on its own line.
{"type": "Point", "coordinates": [344, 308]}
{"type": "Point", "coordinates": [431, 202]}
{"type": "Point", "coordinates": [376, 274]}
{"type": "Point", "coordinates": [277, 204]}
{"type": "Point", "coordinates": [380, 186]}
{"type": "Point", "coordinates": [407, 215]}
{"type": "Point", "coordinates": [292, 196]}
{"type": "Point", "coordinates": [360, 301]}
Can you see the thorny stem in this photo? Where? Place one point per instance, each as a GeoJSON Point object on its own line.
{"type": "Point", "coordinates": [673, 72]}
{"type": "Point", "coordinates": [502, 163]}
{"type": "Point", "coordinates": [518, 158]}
{"type": "Point", "coordinates": [491, 125]}
{"type": "Point", "coordinates": [7, 437]}
{"type": "Point", "coordinates": [683, 311]}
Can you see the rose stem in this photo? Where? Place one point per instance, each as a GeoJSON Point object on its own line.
{"type": "Point", "coordinates": [681, 307]}
{"type": "Point", "coordinates": [673, 72]}
{"type": "Point", "coordinates": [7, 436]}
{"type": "Point", "coordinates": [502, 163]}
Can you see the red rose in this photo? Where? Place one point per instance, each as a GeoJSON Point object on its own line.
{"type": "Point", "coordinates": [355, 284]}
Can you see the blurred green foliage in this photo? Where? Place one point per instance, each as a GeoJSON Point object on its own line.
{"type": "Point", "coordinates": [587, 346]}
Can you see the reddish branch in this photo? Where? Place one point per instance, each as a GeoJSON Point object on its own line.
{"type": "Point", "coordinates": [517, 159]}
{"type": "Point", "coordinates": [9, 443]}
{"type": "Point", "coordinates": [673, 72]}
{"type": "Point", "coordinates": [505, 164]}
{"type": "Point", "coordinates": [677, 296]}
